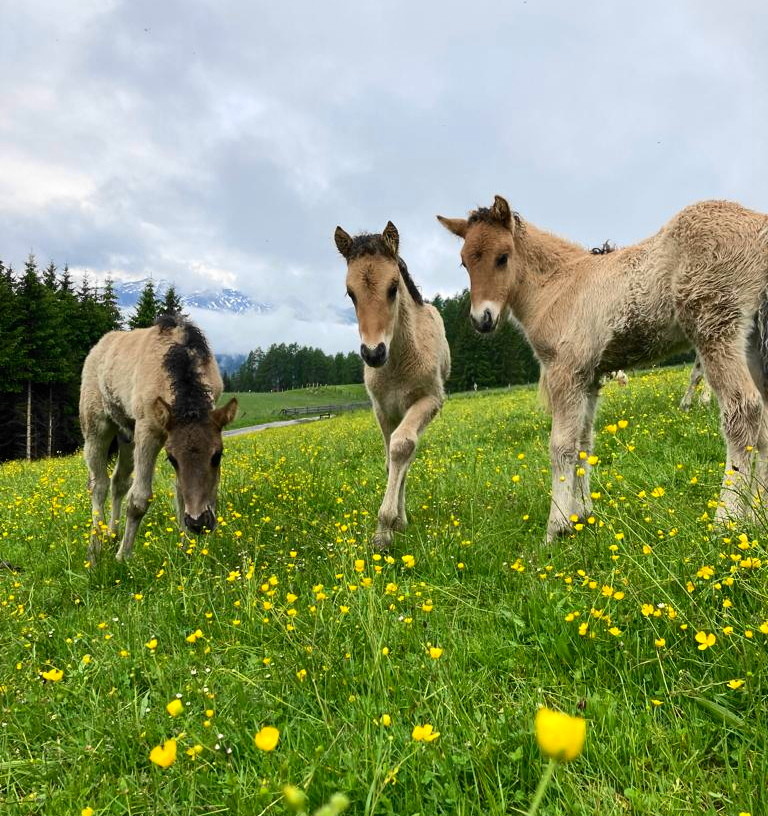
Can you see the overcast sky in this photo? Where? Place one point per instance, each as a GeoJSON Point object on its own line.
{"type": "Point", "coordinates": [220, 143]}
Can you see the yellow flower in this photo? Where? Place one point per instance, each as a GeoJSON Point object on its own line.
{"type": "Point", "coordinates": [424, 733]}
{"type": "Point", "coordinates": [295, 797]}
{"type": "Point", "coordinates": [736, 683]}
{"type": "Point", "coordinates": [301, 674]}
{"type": "Point", "coordinates": [659, 643]}
{"type": "Point", "coordinates": [386, 720]}
{"type": "Point", "coordinates": [435, 652]}
{"type": "Point", "coordinates": [267, 738]}
{"type": "Point", "coordinates": [409, 561]}
{"type": "Point", "coordinates": [657, 492]}
{"type": "Point", "coordinates": [559, 735]}
{"type": "Point", "coordinates": [175, 707]}
{"type": "Point", "coordinates": [151, 644]}
{"type": "Point", "coordinates": [704, 640]}
{"type": "Point", "coordinates": [196, 635]}
{"type": "Point", "coordinates": [164, 755]}
{"type": "Point", "coordinates": [86, 811]}
{"type": "Point", "coordinates": [194, 751]}
{"type": "Point", "coordinates": [52, 675]}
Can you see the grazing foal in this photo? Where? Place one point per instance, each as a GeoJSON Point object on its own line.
{"type": "Point", "coordinates": [147, 388]}
{"type": "Point", "coordinates": [406, 357]}
{"type": "Point", "coordinates": [700, 281]}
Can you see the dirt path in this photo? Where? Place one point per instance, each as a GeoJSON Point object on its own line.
{"type": "Point", "coordinates": [267, 425]}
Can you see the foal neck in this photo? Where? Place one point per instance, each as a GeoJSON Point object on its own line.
{"type": "Point", "coordinates": [543, 258]}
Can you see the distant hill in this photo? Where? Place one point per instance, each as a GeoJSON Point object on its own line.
{"type": "Point", "coordinates": [226, 300]}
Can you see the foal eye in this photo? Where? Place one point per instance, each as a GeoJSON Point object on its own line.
{"type": "Point", "coordinates": [502, 259]}
{"type": "Point", "coordinates": [174, 463]}
{"type": "Point", "coordinates": [216, 458]}
{"type": "Point", "coordinates": [352, 296]}
{"type": "Point", "coordinates": [392, 291]}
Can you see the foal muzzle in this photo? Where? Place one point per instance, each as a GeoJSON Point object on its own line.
{"type": "Point", "coordinates": [374, 357]}
{"type": "Point", "coordinates": [204, 523]}
{"type": "Point", "coordinates": [485, 323]}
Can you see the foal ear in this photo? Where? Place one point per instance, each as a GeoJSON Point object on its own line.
{"type": "Point", "coordinates": [163, 413]}
{"type": "Point", "coordinates": [343, 241]}
{"type": "Point", "coordinates": [224, 415]}
{"type": "Point", "coordinates": [458, 226]}
{"type": "Point", "coordinates": [501, 211]}
{"type": "Point", "coordinates": [391, 237]}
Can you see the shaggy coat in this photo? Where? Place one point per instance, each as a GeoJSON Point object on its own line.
{"type": "Point", "coordinates": [699, 281]}
{"type": "Point", "coordinates": [145, 389]}
{"type": "Point", "coordinates": [406, 355]}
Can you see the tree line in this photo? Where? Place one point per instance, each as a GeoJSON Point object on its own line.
{"type": "Point", "coordinates": [47, 326]}
{"type": "Point", "coordinates": [501, 359]}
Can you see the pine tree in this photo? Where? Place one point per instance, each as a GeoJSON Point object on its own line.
{"type": "Point", "coordinates": [171, 303]}
{"type": "Point", "coordinates": [146, 309]}
{"type": "Point", "coordinates": [112, 316]}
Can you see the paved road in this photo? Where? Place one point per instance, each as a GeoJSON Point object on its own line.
{"type": "Point", "coordinates": [266, 425]}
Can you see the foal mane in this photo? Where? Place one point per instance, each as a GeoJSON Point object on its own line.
{"type": "Point", "coordinates": [191, 397]}
{"type": "Point", "coordinates": [487, 215]}
{"type": "Point", "coordinates": [606, 248]}
{"type": "Point", "coordinates": [374, 244]}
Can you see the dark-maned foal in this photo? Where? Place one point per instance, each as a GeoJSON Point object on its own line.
{"type": "Point", "coordinates": [147, 388]}
{"type": "Point", "coordinates": [406, 357]}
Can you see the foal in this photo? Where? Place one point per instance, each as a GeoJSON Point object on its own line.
{"type": "Point", "coordinates": [150, 388]}
{"type": "Point", "coordinates": [701, 281]}
{"type": "Point", "coordinates": [406, 355]}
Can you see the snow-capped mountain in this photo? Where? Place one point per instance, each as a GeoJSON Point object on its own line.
{"type": "Point", "coordinates": [216, 300]}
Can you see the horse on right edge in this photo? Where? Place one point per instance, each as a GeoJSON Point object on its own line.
{"type": "Point", "coordinates": [700, 281]}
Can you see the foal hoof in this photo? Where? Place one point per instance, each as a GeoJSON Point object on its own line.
{"type": "Point", "coordinates": [557, 528]}
{"type": "Point", "coordinates": [382, 541]}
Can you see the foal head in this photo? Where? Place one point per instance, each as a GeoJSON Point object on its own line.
{"type": "Point", "coordinates": [375, 278]}
{"type": "Point", "coordinates": [194, 448]}
{"type": "Point", "coordinates": [489, 253]}
{"type": "Point", "coordinates": [192, 426]}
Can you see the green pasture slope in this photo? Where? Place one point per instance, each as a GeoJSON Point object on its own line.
{"type": "Point", "coordinates": [258, 407]}
{"type": "Point", "coordinates": [283, 617]}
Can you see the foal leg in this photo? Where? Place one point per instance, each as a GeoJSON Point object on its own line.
{"type": "Point", "coordinates": [696, 377]}
{"type": "Point", "coordinates": [582, 494]}
{"type": "Point", "coordinates": [402, 449]}
{"type": "Point", "coordinates": [145, 455]}
{"type": "Point", "coordinates": [96, 455]}
{"type": "Point", "coordinates": [755, 363]}
{"type": "Point", "coordinates": [121, 481]}
{"type": "Point", "coordinates": [741, 415]}
{"type": "Point", "coordinates": [570, 402]}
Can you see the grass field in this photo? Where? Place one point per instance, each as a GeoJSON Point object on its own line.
{"type": "Point", "coordinates": [257, 407]}
{"type": "Point", "coordinates": [284, 618]}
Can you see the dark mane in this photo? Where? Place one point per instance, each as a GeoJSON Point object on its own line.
{"type": "Point", "coordinates": [408, 280]}
{"type": "Point", "coordinates": [191, 397]}
{"type": "Point", "coordinates": [486, 215]}
{"type": "Point", "coordinates": [374, 244]}
{"type": "Point", "coordinates": [369, 244]}
{"type": "Point", "coordinates": [604, 249]}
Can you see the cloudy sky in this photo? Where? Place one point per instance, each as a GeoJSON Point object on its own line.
{"type": "Point", "coordinates": [215, 142]}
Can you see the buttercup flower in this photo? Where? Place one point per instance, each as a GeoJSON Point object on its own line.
{"type": "Point", "coordinates": [559, 735]}
{"type": "Point", "coordinates": [164, 755]}
{"type": "Point", "coordinates": [267, 738]}
{"type": "Point", "coordinates": [175, 707]}
{"type": "Point", "coordinates": [424, 733]}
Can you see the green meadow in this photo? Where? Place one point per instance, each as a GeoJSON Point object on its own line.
{"type": "Point", "coordinates": [258, 407]}
{"type": "Point", "coordinates": [647, 621]}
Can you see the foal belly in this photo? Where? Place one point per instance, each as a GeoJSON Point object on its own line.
{"type": "Point", "coordinates": [643, 343]}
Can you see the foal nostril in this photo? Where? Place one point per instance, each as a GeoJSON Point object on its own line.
{"type": "Point", "coordinates": [204, 523]}
{"type": "Point", "coordinates": [374, 357]}
{"type": "Point", "coordinates": [485, 323]}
